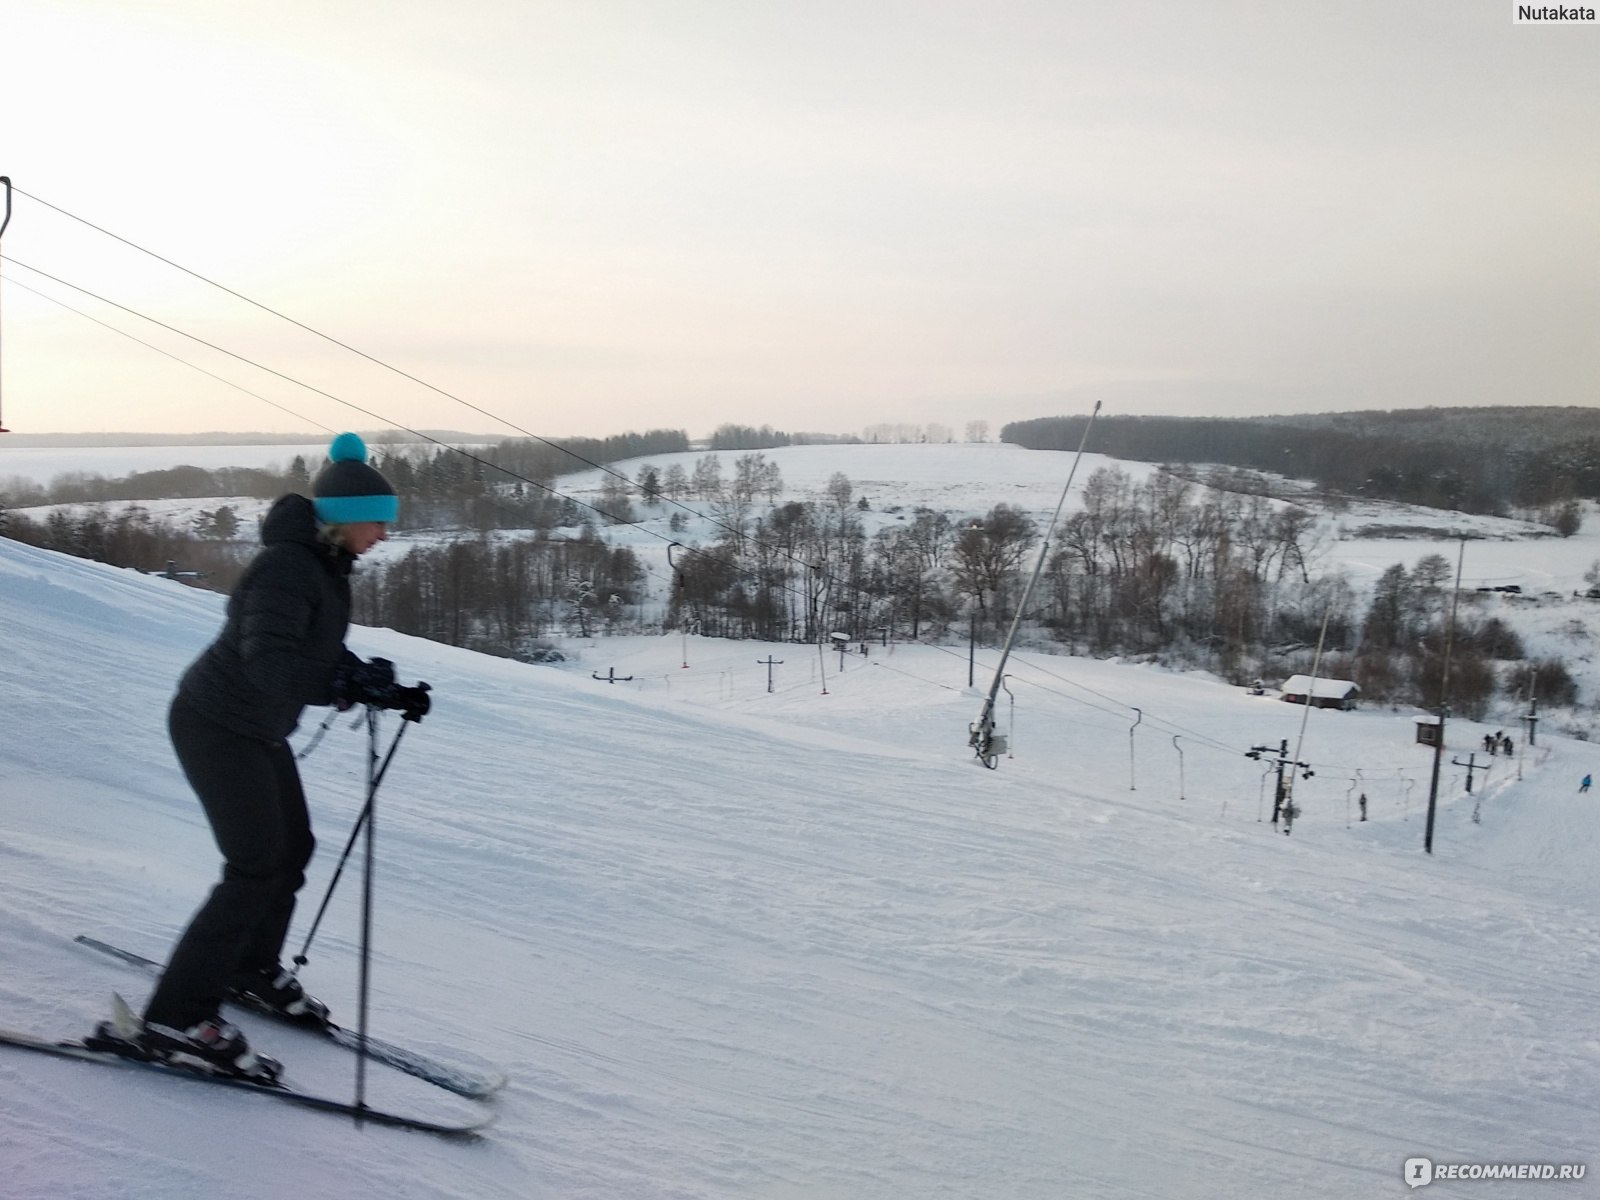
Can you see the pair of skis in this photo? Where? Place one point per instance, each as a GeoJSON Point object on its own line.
{"type": "Point", "coordinates": [473, 1085]}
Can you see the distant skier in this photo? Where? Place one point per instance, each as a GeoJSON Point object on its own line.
{"type": "Point", "coordinates": [281, 649]}
{"type": "Point", "coordinates": [1363, 803]}
{"type": "Point", "coordinates": [1584, 786]}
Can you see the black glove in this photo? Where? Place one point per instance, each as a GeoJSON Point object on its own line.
{"type": "Point", "coordinates": [357, 682]}
{"type": "Point", "coordinates": [411, 701]}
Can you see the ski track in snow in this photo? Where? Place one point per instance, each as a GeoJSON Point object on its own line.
{"type": "Point", "coordinates": [732, 944]}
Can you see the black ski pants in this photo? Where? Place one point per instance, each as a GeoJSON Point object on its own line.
{"type": "Point", "coordinates": [251, 793]}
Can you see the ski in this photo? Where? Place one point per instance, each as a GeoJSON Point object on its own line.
{"type": "Point", "coordinates": [472, 1084]}
{"type": "Point", "coordinates": [278, 1091]}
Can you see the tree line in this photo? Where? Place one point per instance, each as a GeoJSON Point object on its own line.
{"type": "Point", "coordinates": [1531, 462]}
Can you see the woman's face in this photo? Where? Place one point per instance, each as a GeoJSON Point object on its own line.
{"type": "Point", "coordinates": [361, 536]}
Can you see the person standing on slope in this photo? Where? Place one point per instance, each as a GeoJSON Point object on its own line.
{"type": "Point", "coordinates": [282, 648]}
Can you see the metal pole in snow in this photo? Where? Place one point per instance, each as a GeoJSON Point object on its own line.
{"type": "Point", "coordinates": [4, 221]}
{"type": "Point", "coordinates": [981, 732]}
{"type": "Point", "coordinates": [1011, 730]}
{"type": "Point", "coordinates": [1137, 722]}
{"type": "Point", "coordinates": [677, 577]}
{"type": "Point", "coordinates": [1444, 702]}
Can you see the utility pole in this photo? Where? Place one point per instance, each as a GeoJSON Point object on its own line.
{"type": "Point", "coordinates": [677, 578]}
{"type": "Point", "coordinates": [1472, 764]}
{"type": "Point", "coordinates": [769, 663]}
{"type": "Point", "coordinates": [972, 641]}
{"type": "Point", "coordinates": [1532, 719]}
{"type": "Point", "coordinates": [1444, 703]}
{"type": "Point", "coordinates": [1281, 798]}
{"type": "Point", "coordinates": [1138, 720]}
{"type": "Point", "coordinates": [1011, 728]}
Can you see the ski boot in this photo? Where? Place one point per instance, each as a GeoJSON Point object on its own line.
{"type": "Point", "coordinates": [277, 991]}
{"type": "Point", "coordinates": [209, 1047]}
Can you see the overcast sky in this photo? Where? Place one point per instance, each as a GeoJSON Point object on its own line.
{"type": "Point", "coordinates": [604, 215]}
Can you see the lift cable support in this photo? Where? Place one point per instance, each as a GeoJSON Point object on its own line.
{"type": "Point", "coordinates": [1444, 703]}
{"type": "Point", "coordinates": [986, 746]}
{"type": "Point", "coordinates": [1291, 809]}
{"type": "Point", "coordinates": [5, 180]}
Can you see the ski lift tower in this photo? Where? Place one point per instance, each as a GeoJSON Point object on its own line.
{"type": "Point", "coordinates": [5, 181]}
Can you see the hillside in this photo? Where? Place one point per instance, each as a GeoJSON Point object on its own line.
{"type": "Point", "coordinates": [732, 943]}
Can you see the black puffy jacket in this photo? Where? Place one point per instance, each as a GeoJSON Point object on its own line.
{"type": "Point", "coordinates": [284, 637]}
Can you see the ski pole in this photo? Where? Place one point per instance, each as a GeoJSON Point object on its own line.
{"type": "Point", "coordinates": [375, 774]}
{"type": "Point", "coordinates": [362, 990]}
{"type": "Point", "coordinates": [373, 780]}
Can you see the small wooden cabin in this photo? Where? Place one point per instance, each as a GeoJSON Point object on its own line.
{"type": "Point", "coordinates": [1320, 693]}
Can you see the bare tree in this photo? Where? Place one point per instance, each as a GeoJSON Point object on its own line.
{"type": "Point", "coordinates": [988, 552]}
{"type": "Point", "coordinates": [614, 503]}
{"type": "Point", "coordinates": [839, 490]}
{"type": "Point", "coordinates": [676, 484]}
{"type": "Point", "coordinates": [708, 477]}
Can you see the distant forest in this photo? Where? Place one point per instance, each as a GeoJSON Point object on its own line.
{"type": "Point", "coordinates": [1504, 461]}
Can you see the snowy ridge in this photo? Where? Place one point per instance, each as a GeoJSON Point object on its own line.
{"type": "Point", "coordinates": [732, 944]}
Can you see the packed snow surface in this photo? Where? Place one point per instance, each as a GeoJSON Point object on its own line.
{"type": "Point", "coordinates": [737, 943]}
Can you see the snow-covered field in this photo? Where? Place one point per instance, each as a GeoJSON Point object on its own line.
{"type": "Point", "coordinates": [41, 464]}
{"type": "Point", "coordinates": [733, 943]}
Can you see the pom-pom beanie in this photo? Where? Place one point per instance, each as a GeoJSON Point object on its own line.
{"type": "Point", "coordinates": [347, 490]}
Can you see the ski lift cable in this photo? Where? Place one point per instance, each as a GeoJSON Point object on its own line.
{"type": "Point", "coordinates": [918, 678]}
{"type": "Point", "coordinates": [360, 354]}
{"type": "Point", "coordinates": [1154, 720]}
{"type": "Point", "coordinates": [1204, 740]}
{"type": "Point", "coordinates": [422, 383]}
{"type": "Point", "coordinates": [506, 471]}
{"type": "Point", "coordinates": [418, 434]}
{"type": "Point", "coordinates": [1019, 662]}
{"type": "Point", "coordinates": [503, 470]}
{"type": "Point", "coordinates": [166, 353]}
{"type": "Point", "coordinates": [376, 361]}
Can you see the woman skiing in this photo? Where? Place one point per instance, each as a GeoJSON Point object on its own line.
{"type": "Point", "coordinates": [282, 648]}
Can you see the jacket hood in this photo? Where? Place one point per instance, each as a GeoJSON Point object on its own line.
{"type": "Point", "coordinates": [293, 518]}
{"type": "Point", "coordinates": [290, 519]}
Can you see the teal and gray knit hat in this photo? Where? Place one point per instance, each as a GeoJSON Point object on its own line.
{"type": "Point", "coordinates": [348, 490]}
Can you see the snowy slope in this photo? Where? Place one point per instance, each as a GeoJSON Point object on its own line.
{"type": "Point", "coordinates": [737, 944]}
